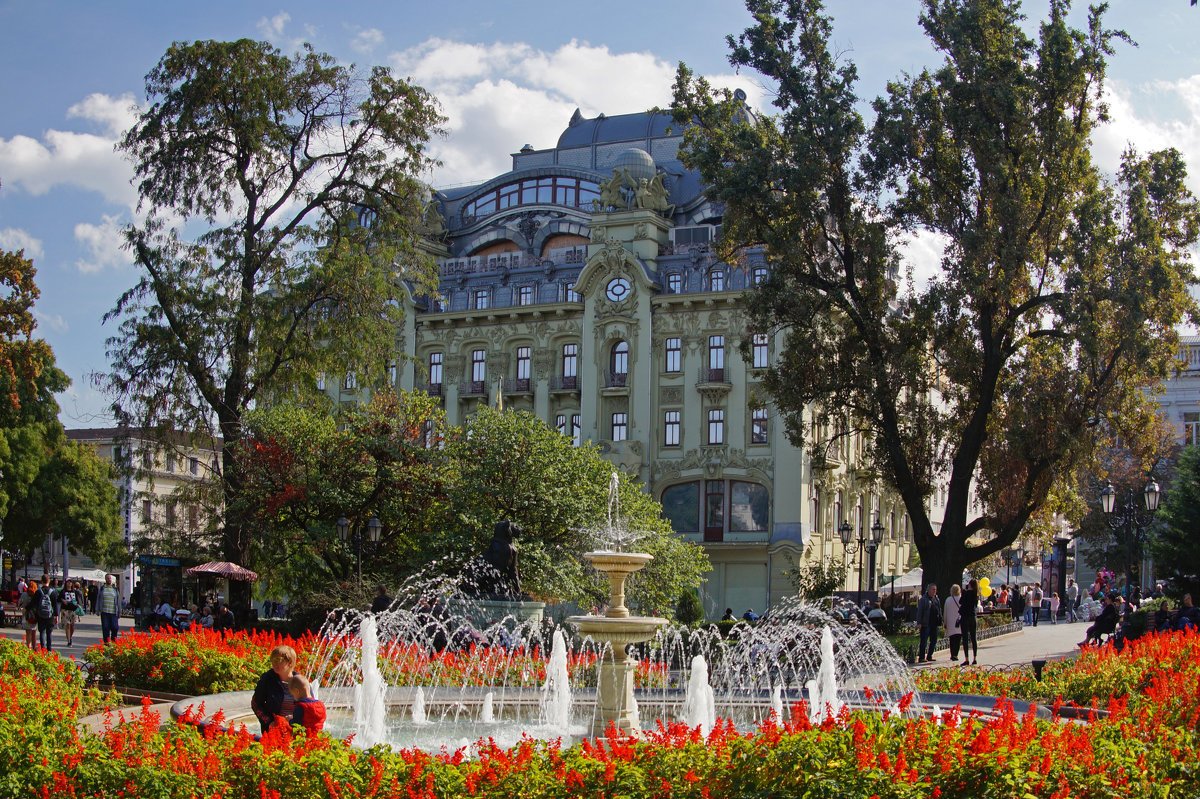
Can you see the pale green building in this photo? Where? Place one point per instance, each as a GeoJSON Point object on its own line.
{"type": "Point", "coordinates": [581, 286]}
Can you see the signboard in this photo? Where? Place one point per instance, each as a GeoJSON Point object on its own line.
{"type": "Point", "coordinates": [152, 560]}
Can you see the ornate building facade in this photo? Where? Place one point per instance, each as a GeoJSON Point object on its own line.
{"type": "Point", "coordinates": [582, 286]}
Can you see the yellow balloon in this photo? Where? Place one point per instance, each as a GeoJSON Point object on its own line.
{"type": "Point", "coordinates": [985, 592]}
{"type": "Point", "coordinates": [984, 583]}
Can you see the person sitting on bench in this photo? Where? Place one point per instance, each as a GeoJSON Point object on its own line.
{"type": "Point", "coordinates": [1105, 624]}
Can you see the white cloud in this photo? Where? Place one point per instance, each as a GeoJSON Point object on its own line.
{"type": "Point", "coordinates": [51, 320]}
{"type": "Point", "coordinates": [1152, 116]}
{"type": "Point", "coordinates": [115, 114]}
{"type": "Point", "coordinates": [272, 28]}
{"type": "Point", "coordinates": [104, 245]}
{"type": "Point", "coordinates": [13, 239]}
{"type": "Point", "coordinates": [367, 40]}
{"type": "Point", "coordinates": [503, 95]}
{"type": "Point", "coordinates": [86, 160]}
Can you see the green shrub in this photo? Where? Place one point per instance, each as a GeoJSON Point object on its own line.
{"type": "Point", "coordinates": [689, 609]}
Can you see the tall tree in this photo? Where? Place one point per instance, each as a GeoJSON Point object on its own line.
{"type": "Point", "coordinates": [302, 177]}
{"type": "Point", "coordinates": [1057, 292]}
{"type": "Point", "coordinates": [22, 357]}
{"type": "Point", "coordinates": [49, 486]}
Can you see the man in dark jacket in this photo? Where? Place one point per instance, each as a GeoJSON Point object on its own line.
{"type": "Point", "coordinates": [929, 616]}
{"type": "Point", "coordinates": [45, 609]}
{"type": "Point", "coordinates": [1018, 604]}
{"type": "Point", "coordinates": [1187, 615]}
{"type": "Point", "coordinates": [1105, 623]}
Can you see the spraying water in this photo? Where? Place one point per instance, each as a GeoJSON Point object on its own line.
{"type": "Point", "coordinates": [556, 691]}
{"type": "Point", "coordinates": [370, 705]}
{"type": "Point", "coordinates": [488, 713]}
{"type": "Point", "coordinates": [699, 705]}
{"type": "Point", "coordinates": [418, 707]}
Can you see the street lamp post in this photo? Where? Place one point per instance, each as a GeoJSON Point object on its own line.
{"type": "Point", "coordinates": [1132, 520]}
{"type": "Point", "coordinates": [373, 529]}
{"type": "Point", "coordinates": [854, 547]}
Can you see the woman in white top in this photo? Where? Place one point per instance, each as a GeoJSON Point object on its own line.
{"type": "Point", "coordinates": [950, 612]}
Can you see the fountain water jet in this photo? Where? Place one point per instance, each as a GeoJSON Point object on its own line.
{"type": "Point", "coordinates": [370, 705]}
{"type": "Point", "coordinates": [556, 692]}
{"type": "Point", "coordinates": [699, 705]}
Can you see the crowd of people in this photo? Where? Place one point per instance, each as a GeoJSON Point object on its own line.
{"type": "Point", "coordinates": [169, 613]}
{"type": "Point", "coordinates": [56, 603]}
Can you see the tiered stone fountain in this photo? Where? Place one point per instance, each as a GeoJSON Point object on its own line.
{"type": "Point", "coordinates": [617, 628]}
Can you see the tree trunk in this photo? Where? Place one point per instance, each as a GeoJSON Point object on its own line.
{"type": "Point", "coordinates": [235, 541]}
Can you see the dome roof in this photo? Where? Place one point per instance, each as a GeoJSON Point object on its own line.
{"type": "Point", "coordinates": [636, 161]}
{"type": "Point", "coordinates": [605, 129]}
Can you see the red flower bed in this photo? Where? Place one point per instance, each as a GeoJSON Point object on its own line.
{"type": "Point", "coordinates": [1145, 747]}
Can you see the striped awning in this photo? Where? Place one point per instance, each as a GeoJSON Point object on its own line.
{"type": "Point", "coordinates": [223, 568]}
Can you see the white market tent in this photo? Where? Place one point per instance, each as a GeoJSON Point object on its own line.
{"type": "Point", "coordinates": [1028, 576]}
{"type": "Point", "coordinates": [95, 575]}
{"type": "Point", "coordinates": [906, 582]}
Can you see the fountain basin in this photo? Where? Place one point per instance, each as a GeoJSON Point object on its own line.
{"type": "Point", "coordinates": [620, 631]}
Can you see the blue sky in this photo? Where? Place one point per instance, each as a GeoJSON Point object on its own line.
{"type": "Point", "coordinates": [507, 74]}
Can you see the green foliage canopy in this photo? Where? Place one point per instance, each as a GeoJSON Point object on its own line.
{"type": "Point", "coordinates": [278, 161]}
{"type": "Point", "coordinates": [50, 486]}
{"type": "Point", "coordinates": [1058, 290]}
{"type": "Point", "coordinates": [439, 490]}
{"type": "Point", "coordinates": [1176, 546]}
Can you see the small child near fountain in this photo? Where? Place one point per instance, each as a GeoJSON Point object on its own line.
{"type": "Point", "coordinates": [310, 711]}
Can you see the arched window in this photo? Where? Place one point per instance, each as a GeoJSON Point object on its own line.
{"type": "Point", "coordinates": [620, 358]}
{"type": "Point", "coordinates": [618, 364]}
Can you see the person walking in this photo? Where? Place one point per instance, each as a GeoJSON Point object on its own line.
{"type": "Point", "coordinates": [45, 610]}
{"type": "Point", "coordinates": [1028, 602]}
{"type": "Point", "coordinates": [1054, 604]}
{"type": "Point", "coordinates": [1072, 600]}
{"type": "Point", "coordinates": [108, 602]}
{"type": "Point", "coordinates": [968, 621]}
{"type": "Point", "coordinates": [929, 616]}
{"type": "Point", "coordinates": [1018, 604]}
{"type": "Point", "coordinates": [1037, 603]}
{"type": "Point", "coordinates": [28, 616]}
{"type": "Point", "coordinates": [69, 605]}
{"type": "Point", "coordinates": [950, 611]}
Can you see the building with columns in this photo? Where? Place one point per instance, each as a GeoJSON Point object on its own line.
{"type": "Point", "coordinates": [582, 286]}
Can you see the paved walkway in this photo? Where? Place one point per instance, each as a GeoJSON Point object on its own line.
{"type": "Point", "coordinates": [87, 632]}
{"type": "Point", "coordinates": [1045, 642]}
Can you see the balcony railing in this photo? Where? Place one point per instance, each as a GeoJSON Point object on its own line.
{"type": "Point", "coordinates": [616, 379]}
{"type": "Point", "coordinates": [711, 375]}
{"type": "Point", "coordinates": [520, 385]}
{"type": "Point", "coordinates": [473, 388]}
{"type": "Point", "coordinates": [564, 383]}
{"type": "Point", "coordinates": [433, 389]}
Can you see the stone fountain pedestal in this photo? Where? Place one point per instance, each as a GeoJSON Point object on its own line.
{"type": "Point", "coordinates": [614, 687]}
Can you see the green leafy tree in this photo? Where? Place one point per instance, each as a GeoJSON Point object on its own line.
{"type": "Point", "coordinates": [305, 470]}
{"type": "Point", "coordinates": [439, 491]}
{"type": "Point", "coordinates": [1176, 547]}
{"type": "Point", "coordinates": [1058, 291]}
{"type": "Point", "coordinates": [302, 177]}
{"type": "Point", "coordinates": [50, 486]}
{"type": "Point", "coordinates": [512, 466]}
{"type": "Point", "coordinates": [815, 579]}
{"type": "Point", "coordinates": [22, 357]}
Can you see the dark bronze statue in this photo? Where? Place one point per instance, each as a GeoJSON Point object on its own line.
{"type": "Point", "coordinates": [495, 574]}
